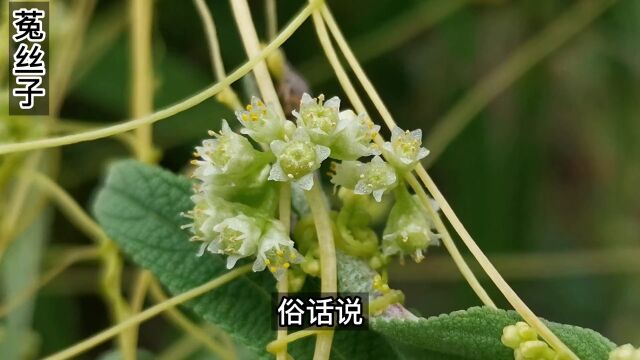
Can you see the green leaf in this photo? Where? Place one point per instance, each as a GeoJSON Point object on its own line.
{"type": "Point", "coordinates": [475, 334]}
{"type": "Point", "coordinates": [139, 207]}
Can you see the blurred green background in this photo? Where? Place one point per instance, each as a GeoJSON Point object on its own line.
{"type": "Point", "coordinates": [546, 176]}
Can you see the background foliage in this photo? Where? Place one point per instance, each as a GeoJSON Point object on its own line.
{"type": "Point", "coordinates": [545, 178]}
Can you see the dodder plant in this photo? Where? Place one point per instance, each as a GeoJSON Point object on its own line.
{"type": "Point", "coordinates": [237, 212]}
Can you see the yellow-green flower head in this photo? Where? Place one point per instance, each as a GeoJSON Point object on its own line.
{"type": "Point", "coordinates": [319, 118]}
{"type": "Point", "coordinates": [535, 350]}
{"type": "Point", "coordinates": [236, 237]}
{"type": "Point", "coordinates": [625, 352]}
{"type": "Point", "coordinates": [227, 154]}
{"type": "Point", "coordinates": [514, 335]}
{"type": "Point", "coordinates": [375, 178]}
{"type": "Point", "coordinates": [261, 122]}
{"type": "Point", "coordinates": [297, 159]}
{"type": "Point", "coordinates": [405, 148]}
{"type": "Point", "coordinates": [276, 251]}
{"type": "Point", "coordinates": [355, 138]}
{"type": "Point", "coordinates": [408, 232]}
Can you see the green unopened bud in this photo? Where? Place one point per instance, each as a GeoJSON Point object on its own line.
{"type": "Point", "coordinates": [297, 159]}
{"type": "Point", "coordinates": [408, 232]}
{"type": "Point", "coordinates": [625, 352]}
{"type": "Point", "coordinates": [514, 335]}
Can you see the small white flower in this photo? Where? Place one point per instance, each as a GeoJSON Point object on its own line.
{"type": "Point", "coordinates": [319, 118]}
{"type": "Point", "coordinates": [347, 173]}
{"type": "Point", "coordinates": [227, 154]}
{"type": "Point", "coordinates": [355, 138]}
{"type": "Point", "coordinates": [261, 122]}
{"type": "Point", "coordinates": [375, 178]}
{"type": "Point", "coordinates": [405, 148]}
{"type": "Point", "coordinates": [237, 237]}
{"type": "Point", "coordinates": [276, 251]}
{"type": "Point", "coordinates": [206, 214]}
{"type": "Point", "coordinates": [297, 159]}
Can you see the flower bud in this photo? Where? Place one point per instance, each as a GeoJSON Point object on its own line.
{"type": "Point", "coordinates": [514, 335]}
{"type": "Point", "coordinates": [261, 122]}
{"type": "Point", "coordinates": [404, 150]}
{"type": "Point", "coordinates": [408, 232]}
{"type": "Point", "coordinates": [625, 352]}
{"type": "Point", "coordinates": [297, 159]}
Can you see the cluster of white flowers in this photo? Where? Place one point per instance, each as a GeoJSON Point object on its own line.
{"type": "Point", "coordinates": [230, 216]}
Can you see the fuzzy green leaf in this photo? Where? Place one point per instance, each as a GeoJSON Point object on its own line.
{"type": "Point", "coordinates": [139, 208]}
{"type": "Point", "coordinates": [474, 334]}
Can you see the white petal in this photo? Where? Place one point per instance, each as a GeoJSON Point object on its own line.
{"type": "Point", "coordinates": [333, 103]}
{"type": "Point", "coordinates": [202, 249]}
{"type": "Point", "coordinates": [277, 146]}
{"type": "Point", "coordinates": [322, 152]}
{"type": "Point", "coordinates": [232, 260]}
{"type": "Point", "coordinates": [395, 132]}
{"type": "Point", "coordinates": [377, 194]}
{"type": "Point", "coordinates": [259, 264]}
{"type": "Point", "coordinates": [305, 182]}
{"type": "Point", "coordinates": [417, 134]}
{"type": "Point", "coordinates": [422, 153]}
{"type": "Point", "coordinates": [277, 174]}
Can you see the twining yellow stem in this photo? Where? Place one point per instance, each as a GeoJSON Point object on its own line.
{"type": "Point", "coordinates": [385, 37]}
{"type": "Point", "coordinates": [67, 53]}
{"type": "Point", "coordinates": [105, 335]}
{"type": "Point", "coordinates": [511, 296]}
{"type": "Point", "coordinates": [491, 271]}
{"type": "Point", "coordinates": [175, 316]}
{"type": "Point", "coordinates": [354, 98]}
{"type": "Point", "coordinates": [141, 13]}
{"type": "Point", "coordinates": [251, 43]}
{"type": "Point", "coordinates": [73, 257]}
{"type": "Point", "coordinates": [525, 57]}
{"type": "Point", "coordinates": [271, 12]}
{"type": "Point", "coordinates": [465, 270]}
{"type": "Point", "coordinates": [227, 96]}
{"type": "Point", "coordinates": [277, 345]}
{"type": "Point", "coordinates": [173, 109]}
{"type": "Point", "coordinates": [328, 267]}
{"type": "Point", "coordinates": [284, 210]}
{"type": "Point", "coordinates": [112, 269]}
{"type": "Point", "coordinates": [138, 295]}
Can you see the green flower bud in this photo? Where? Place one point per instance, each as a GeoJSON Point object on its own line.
{"type": "Point", "coordinates": [261, 122]}
{"type": "Point", "coordinates": [319, 118]}
{"type": "Point", "coordinates": [408, 232]}
{"type": "Point", "coordinates": [514, 335]}
{"type": "Point", "coordinates": [534, 350]}
{"type": "Point", "coordinates": [276, 251]}
{"type": "Point", "coordinates": [404, 150]}
{"type": "Point", "coordinates": [625, 352]}
{"type": "Point", "coordinates": [297, 159]}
